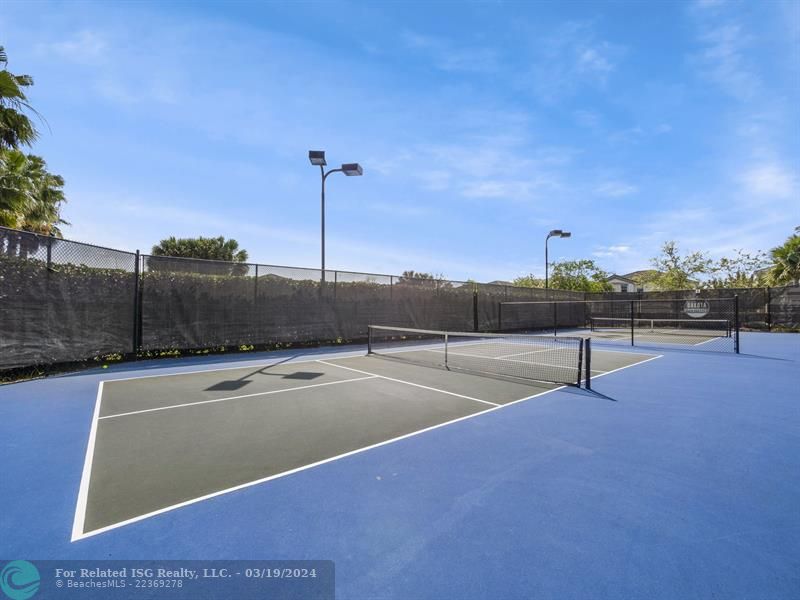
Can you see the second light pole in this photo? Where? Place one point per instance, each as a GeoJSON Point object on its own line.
{"type": "Point", "coordinates": [554, 233]}
{"type": "Point", "coordinates": [317, 158]}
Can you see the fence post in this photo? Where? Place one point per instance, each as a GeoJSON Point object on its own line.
{"type": "Point", "coordinates": [500, 316]}
{"type": "Point", "coordinates": [255, 289]}
{"type": "Point", "coordinates": [136, 308]}
{"type": "Point", "coordinates": [736, 323]}
{"type": "Point", "coordinates": [769, 309]}
{"type": "Point", "coordinates": [50, 253]}
{"type": "Point", "coordinates": [474, 308]}
{"type": "Point", "coordinates": [632, 323]}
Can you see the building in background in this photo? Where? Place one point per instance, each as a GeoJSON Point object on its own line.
{"type": "Point", "coordinates": [631, 282]}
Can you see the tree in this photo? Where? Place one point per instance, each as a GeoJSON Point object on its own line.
{"type": "Point", "coordinates": [30, 196]}
{"type": "Point", "coordinates": [425, 280]}
{"type": "Point", "coordinates": [677, 272]}
{"type": "Point", "coordinates": [579, 275]}
{"type": "Point", "coordinates": [741, 271]}
{"type": "Point", "coordinates": [217, 248]}
{"type": "Point", "coordinates": [16, 129]}
{"type": "Point", "coordinates": [528, 281]}
{"type": "Point", "coordinates": [786, 261]}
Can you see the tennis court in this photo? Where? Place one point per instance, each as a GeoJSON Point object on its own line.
{"type": "Point", "coordinates": [162, 442]}
{"type": "Point", "coordinates": [420, 478]}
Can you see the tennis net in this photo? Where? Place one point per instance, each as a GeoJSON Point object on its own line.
{"type": "Point", "coordinates": [692, 327]}
{"type": "Point", "coordinates": [531, 357]}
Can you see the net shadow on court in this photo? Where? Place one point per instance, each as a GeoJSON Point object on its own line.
{"type": "Point", "coordinates": [161, 442]}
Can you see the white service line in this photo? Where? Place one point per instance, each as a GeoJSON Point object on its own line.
{"type": "Point", "coordinates": [292, 389]}
{"type": "Point", "coordinates": [425, 387]}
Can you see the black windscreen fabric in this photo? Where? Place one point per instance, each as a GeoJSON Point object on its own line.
{"type": "Point", "coordinates": [63, 301]}
{"type": "Point", "coordinates": [199, 304]}
{"type": "Point", "coordinates": [784, 308]}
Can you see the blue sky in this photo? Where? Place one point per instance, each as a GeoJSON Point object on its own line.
{"type": "Point", "coordinates": [480, 126]}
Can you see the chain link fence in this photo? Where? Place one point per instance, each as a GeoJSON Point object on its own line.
{"type": "Point", "coordinates": [62, 301]}
{"type": "Point", "coordinates": [65, 302]}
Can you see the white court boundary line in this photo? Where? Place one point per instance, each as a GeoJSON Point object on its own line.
{"type": "Point", "coordinates": [83, 491]}
{"type": "Point", "coordinates": [269, 393]}
{"type": "Point", "coordinates": [80, 512]}
{"type": "Point", "coordinates": [636, 364]}
{"type": "Point", "coordinates": [714, 339]}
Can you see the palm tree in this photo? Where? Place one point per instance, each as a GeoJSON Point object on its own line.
{"type": "Point", "coordinates": [16, 191]}
{"type": "Point", "coordinates": [30, 196]}
{"type": "Point", "coordinates": [43, 214]}
{"type": "Point", "coordinates": [16, 129]}
{"type": "Point", "coordinates": [786, 259]}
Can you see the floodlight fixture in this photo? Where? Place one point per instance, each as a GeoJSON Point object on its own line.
{"type": "Point", "coordinates": [317, 158]}
{"type": "Point", "coordinates": [352, 169]}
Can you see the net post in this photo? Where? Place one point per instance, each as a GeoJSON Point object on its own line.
{"type": "Point", "coordinates": [632, 324]}
{"type": "Point", "coordinates": [580, 360]}
{"type": "Point", "coordinates": [587, 352]}
{"type": "Point", "coordinates": [446, 344]}
{"type": "Point", "coordinates": [500, 316]}
{"type": "Point", "coordinates": [736, 323]}
{"type": "Point", "coordinates": [369, 339]}
{"type": "Point", "coordinates": [136, 308]}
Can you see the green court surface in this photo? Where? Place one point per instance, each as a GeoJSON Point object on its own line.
{"type": "Point", "coordinates": [162, 442]}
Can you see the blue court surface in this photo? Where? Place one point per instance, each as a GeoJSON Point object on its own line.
{"type": "Point", "coordinates": [676, 476]}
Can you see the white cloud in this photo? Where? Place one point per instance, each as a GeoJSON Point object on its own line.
{"type": "Point", "coordinates": [770, 180]}
{"type": "Point", "coordinates": [591, 59]}
{"type": "Point", "coordinates": [724, 61]}
{"type": "Point", "coordinates": [611, 251]}
{"type": "Point", "coordinates": [447, 56]}
{"type": "Point", "coordinates": [615, 189]}
{"type": "Point", "coordinates": [86, 47]}
{"type": "Point", "coordinates": [571, 58]}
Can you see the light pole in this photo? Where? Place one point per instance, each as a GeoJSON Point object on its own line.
{"type": "Point", "coordinates": [317, 158]}
{"type": "Point", "coordinates": [554, 233]}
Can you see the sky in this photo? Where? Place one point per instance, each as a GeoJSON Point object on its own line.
{"type": "Point", "coordinates": [480, 126]}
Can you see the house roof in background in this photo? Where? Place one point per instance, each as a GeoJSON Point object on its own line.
{"type": "Point", "coordinates": [620, 278]}
{"type": "Point", "coordinates": [636, 275]}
